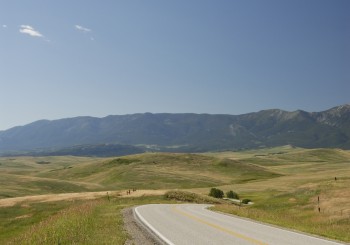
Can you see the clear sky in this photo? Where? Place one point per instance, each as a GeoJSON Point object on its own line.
{"type": "Point", "coordinates": [69, 58]}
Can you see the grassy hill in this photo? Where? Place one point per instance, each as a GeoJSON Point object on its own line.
{"type": "Point", "coordinates": [146, 171]}
{"type": "Point", "coordinates": [283, 182]}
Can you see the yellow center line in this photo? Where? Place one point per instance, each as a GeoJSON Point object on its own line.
{"type": "Point", "coordinates": [218, 227]}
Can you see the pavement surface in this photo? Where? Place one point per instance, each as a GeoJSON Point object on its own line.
{"type": "Point", "coordinates": [194, 224]}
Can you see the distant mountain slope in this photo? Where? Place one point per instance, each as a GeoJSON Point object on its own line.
{"type": "Point", "coordinates": [100, 150]}
{"type": "Point", "coordinates": [188, 132]}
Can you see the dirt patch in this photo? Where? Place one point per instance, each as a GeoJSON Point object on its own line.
{"type": "Point", "coordinates": [24, 216]}
{"type": "Point", "coordinates": [140, 193]}
{"type": "Point", "coordinates": [8, 202]}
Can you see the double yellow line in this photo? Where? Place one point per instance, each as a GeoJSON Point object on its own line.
{"type": "Point", "coordinates": [218, 227]}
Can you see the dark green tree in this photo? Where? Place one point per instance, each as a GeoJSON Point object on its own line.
{"type": "Point", "coordinates": [232, 194]}
{"type": "Point", "coordinates": [246, 201]}
{"type": "Point", "coordinates": [217, 193]}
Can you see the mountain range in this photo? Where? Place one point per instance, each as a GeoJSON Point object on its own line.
{"type": "Point", "coordinates": [187, 132]}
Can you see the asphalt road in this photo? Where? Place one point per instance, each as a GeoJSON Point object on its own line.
{"type": "Point", "coordinates": [194, 224]}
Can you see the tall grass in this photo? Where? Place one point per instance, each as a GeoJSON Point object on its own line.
{"type": "Point", "coordinates": [294, 211]}
{"type": "Point", "coordinates": [78, 224]}
{"type": "Point", "coordinates": [85, 222]}
{"type": "Point", "coordinates": [67, 227]}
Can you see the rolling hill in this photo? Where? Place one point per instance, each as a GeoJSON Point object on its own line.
{"type": "Point", "coordinates": [188, 132]}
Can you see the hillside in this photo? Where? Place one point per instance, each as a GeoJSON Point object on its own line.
{"type": "Point", "coordinates": [283, 182]}
{"type": "Point", "coordinates": [188, 132]}
{"type": "Point", "coordinates": [59, 174]}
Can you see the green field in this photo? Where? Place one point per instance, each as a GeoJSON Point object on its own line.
{"type": "Point", "coordinates": [284, 183]}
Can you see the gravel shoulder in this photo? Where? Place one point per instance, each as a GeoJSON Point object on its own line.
{"type": "Point", "coordinates": [138, 233]}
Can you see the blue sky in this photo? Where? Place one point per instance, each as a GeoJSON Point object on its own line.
{"type": "Point", "coordinates": [96, 58]}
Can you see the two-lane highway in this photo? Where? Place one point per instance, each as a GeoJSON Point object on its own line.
{"type": "Point", "coordinates": [194, 224]}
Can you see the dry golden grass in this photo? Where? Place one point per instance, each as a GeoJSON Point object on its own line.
{"type": "Point", "coordinates": [8, 202]}
{"type": "Point", "coordinates": [284, 183]}
{"type": "Point", "coordinates": [291, 200]}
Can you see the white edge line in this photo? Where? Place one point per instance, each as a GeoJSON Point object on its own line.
{"type": "Point", "coordinates": [152, 228]}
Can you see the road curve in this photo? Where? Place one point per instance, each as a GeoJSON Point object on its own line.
{"type": "Point", "coordinates": [194, 224]}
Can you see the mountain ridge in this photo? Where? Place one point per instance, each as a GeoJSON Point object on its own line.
{"type": "Point", "coordinates": [189, 131]}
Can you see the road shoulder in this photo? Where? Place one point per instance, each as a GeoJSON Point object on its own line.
{"type": "Point", "coordinates": [138, 234]}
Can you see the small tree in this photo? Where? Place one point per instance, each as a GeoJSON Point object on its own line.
{"type": "Point", "coordinates": [217, 193]}
{"type": "Point", "coordinates": [232, 194]}
{"type": "Point", "coordinates": [246, 201]}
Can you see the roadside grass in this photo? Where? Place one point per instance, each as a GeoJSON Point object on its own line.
{"type": "Point", "coordinates": [286, 211]}
{"type": "Point", "coordinates": [97, 221]}
{"type": "Point", "coordinates": [291, 200]}
{"type": "Point", "coordinates": [70, 226]}
{"type": "Point", "coordinates": [185, 196]}
{"type": "Point", "coordinates": [16, 219]}
{"type": "Point", "coordinates": [100, 221]}
{"type": "Point", "coordinates": [86, 222]}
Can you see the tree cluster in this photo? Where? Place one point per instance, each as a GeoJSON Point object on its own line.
{"type": "Point", "coordinates": [217, 193]}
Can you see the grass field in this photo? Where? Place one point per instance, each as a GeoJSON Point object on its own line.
{"type": "Point", "coordinates": [291, 200]}
{"type": "Point", "coordinates": [30, 176]}
{"type": "Point", "coordinates": [284, 183]}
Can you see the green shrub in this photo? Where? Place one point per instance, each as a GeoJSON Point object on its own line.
{"type": "Point", "coordinates": [185, 196]}
{"type": "Point", "coordinates": [246, 201]}
{"type": "Point", "coordinates": [217, 193]}
{"type": "Point", "coordinates": [232, 194]}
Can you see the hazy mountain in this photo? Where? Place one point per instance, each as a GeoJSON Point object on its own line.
{"type": "Point", "coordinates": [100, 150]}
{"type": "Point", "coordinates": [188, 132]}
